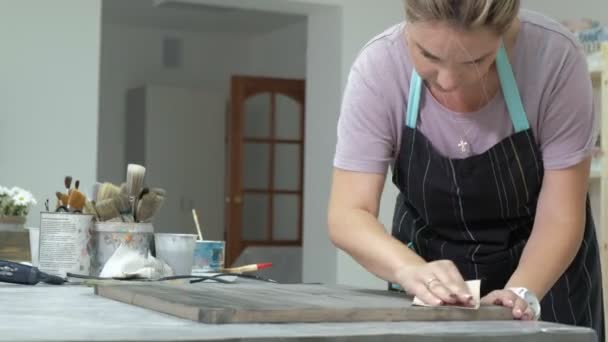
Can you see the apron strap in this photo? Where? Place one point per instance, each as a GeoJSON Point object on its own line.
{"type": "Point", "coordinates": [507, 83]}
{"type": "Point", "coordinates": [510, 91]}
{"type": "Point", "coordinates": [413, 102]}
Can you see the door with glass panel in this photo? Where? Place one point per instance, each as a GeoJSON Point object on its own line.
{"type": "Point", "coordinates": [265, 165]}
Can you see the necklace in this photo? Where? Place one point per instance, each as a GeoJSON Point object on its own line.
{"type": "Point", "coordinates": [463, 144]}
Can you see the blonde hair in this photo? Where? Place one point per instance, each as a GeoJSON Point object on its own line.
{"type": "Point", "coordinates": [496, 15]}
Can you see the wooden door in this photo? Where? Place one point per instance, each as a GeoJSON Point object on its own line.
{"type": "Point", "coordinates": [266, 164]}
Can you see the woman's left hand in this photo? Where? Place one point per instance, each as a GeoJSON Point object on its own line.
{"type": "Point", "coordinates": [508, 298]}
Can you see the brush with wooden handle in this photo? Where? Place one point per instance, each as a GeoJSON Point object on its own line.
{"type": "Point", "coordinates": [94, 191]}
{"type": "Point", "coordinates": [123, 204]}
{"type": "Point", "coordinates": [89, 208]}
{"type": "Point", "coordinates": [106, 210]}
{"type": "Point", "coordinates": [67, 181]}
{"type": "Point", "coordinates": [63, 198]}
{"type": "Point", "coordinates": [135, 184]}
{"type": "Point", "coordinates": [76, 199]}
{"type": "Point", "coordinates": [247, 268]}
{"type": "Point", "coordinates": [149, 205]}
{"type": "Point", "coordinates": [62, 201]}
{"type": "Point", "coordinates": [107, 191]}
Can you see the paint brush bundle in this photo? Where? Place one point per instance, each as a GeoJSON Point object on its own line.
{"type": "Point", "coordinates": [73, 200]}
{"type": "Point", "coordinates": [130, 201]}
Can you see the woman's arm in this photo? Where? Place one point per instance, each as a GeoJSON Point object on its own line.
{"type": "Point", "coordinates": [558, 229]}
{"type": "Point", "coordinates": [354, 227]}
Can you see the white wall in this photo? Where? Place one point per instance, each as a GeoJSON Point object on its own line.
{"type": "Point", "coordinates": [131, 57]}
{"type": "Point", "coordinates": [49, 87]}
{"type": "Point", "coordinates": [281, 53]}
{"type": "Point", "coordinates": [323, 92]}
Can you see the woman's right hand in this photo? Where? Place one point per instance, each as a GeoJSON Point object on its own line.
{"type": "Point", "coordinates": [435, 283]}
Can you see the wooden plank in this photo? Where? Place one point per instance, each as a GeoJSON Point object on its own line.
{"type": "Point", "coordinates": [15, 246]}
{"type": "Point", "coordinates": [287, 303]}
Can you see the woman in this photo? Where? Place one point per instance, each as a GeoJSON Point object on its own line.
{"type": "Point", "coordinates": [485, 114]}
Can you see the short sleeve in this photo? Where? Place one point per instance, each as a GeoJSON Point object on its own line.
{"type": "Point", "coordinates": [569, 125]}
{"type": "Point", "coordinates": [365, 135]}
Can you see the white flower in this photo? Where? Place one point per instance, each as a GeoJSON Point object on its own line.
{"type": "Point", "coordinates": [23, 198]}
{"type": "Point", "coordinates": [4, 191]}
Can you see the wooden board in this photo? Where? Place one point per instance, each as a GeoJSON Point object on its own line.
{"type": "Point", "coordinates": [293, 303]}
{"type": "Point", "coordinates": [15, 246]}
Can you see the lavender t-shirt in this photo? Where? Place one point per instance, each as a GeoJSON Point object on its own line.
{"type": "Point", "coordinates": [553, 81]}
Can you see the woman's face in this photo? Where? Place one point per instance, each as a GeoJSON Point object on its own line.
{"type": "Point", "coordinates": [451, 59]}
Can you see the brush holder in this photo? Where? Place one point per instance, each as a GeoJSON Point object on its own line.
{"type": "Point", "coordinates": [63, 245]}
{"type": "Point", "coordinates": [106, 237]}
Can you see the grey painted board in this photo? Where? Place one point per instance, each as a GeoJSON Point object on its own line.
{"type": "Point", "coordinates": [286, 303]}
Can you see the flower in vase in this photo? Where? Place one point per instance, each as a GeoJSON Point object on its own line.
{"type": "Point", "coordinates": [15, 202]}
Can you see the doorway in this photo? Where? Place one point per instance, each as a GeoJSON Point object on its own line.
{"type": "Point", "coordinates": [264, 201]}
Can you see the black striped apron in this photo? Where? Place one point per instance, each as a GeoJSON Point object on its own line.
{"type": "Point", "coordinates": [479, 211]}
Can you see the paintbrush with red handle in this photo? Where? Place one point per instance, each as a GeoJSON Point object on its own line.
{"type": "Point", "coordinates": [247, 268]}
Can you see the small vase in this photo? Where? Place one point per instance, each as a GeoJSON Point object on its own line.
{"type": "Point", "coordinates": [12, 223]}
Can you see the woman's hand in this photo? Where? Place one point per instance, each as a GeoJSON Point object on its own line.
{"type": "Point", "coordinates": [435, 283]}
{"type": "Point", "coordinates": [509, 299]}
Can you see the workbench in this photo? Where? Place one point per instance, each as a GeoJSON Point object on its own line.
{"type": "Point", "coordinates": [74, 313]}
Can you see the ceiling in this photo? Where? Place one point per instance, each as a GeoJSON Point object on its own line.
{"type": "Point", "coordinates": [196, 18]}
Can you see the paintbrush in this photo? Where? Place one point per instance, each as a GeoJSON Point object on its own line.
{"type": "Point", "coordinates": [150, 204]}
{"type": "Point", "coordinates": [89, 208]}
{"type": "Point", "coordinates": [247, 268]}
{"type": "Point", "coordinates": [198, 226]}
{"type": "Point", "coordinates": [107, 191]}
{"type": "Point", "coordinates": [106, 210]}
{"type": "Point", "coordinates": [143, 192]}
{"type": "Point", "coordinates": [67, 181]}
{"type": "Point", "coordinates": [135, 183]}
{"type": "Point", "coordinates": [95, 191]}
{"type": "Point", "coordinates": [159, 191]}
{"type": "Point", "coordinates": [76, 199]}
{"type": "Point", "coordinates": [123, 204]}
{"type": "Point", "coordinates": [62, 201]}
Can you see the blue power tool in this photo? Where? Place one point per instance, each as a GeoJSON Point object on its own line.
{"type": "Point", "coordinates": [15, 273]}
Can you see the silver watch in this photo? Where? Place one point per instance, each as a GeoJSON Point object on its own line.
{"type": "Point", "coordinates": [530, 298]}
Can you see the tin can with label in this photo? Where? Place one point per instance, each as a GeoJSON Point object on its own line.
{"type": "Point", "coordinates": [209, 256]}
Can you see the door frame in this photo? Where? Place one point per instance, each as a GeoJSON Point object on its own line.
{"type": "Point", "coordinates": [243, 87]}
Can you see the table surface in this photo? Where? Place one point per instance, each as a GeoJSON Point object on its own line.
{"type": "Point", "coordinates": [74, 313]}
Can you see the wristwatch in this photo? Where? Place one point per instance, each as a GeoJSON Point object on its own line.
{"type": "Point", "coordinates": [530, 298]}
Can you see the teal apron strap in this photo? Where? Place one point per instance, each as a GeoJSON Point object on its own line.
{"type": "Point", "coordinates": [510, 91]}
{"type": "Point", "coordinates": [413, 102]}
{"type": "Point", "coordinates": [507, 83]}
